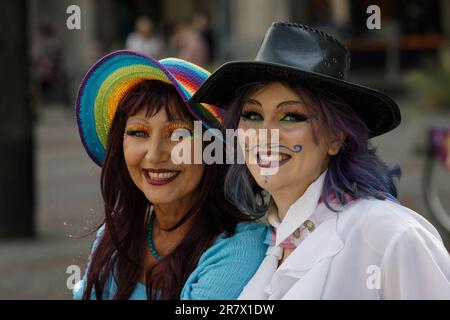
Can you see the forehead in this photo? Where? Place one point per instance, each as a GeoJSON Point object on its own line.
{"type": "Point", "coordinates": [165, 113]}
{"type": "Point", "coordinates": [143, 114]}
{"type": "Point", "coordinates": [272, 94]}
{"type": "Point", "coordinates": [276, 91]}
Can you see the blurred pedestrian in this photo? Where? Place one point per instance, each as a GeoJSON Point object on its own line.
{"type": "Point", "coordinates": [189, 44]}
{"type": "Point", "coordinates": [143, 39]}
{"type": "Point", "coordinates": [46, 63]}
{"type": "Point", "coordinates": [201, 22]}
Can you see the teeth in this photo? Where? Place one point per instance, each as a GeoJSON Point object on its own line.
{"type": "Point", "coordinates": [273, 157]}
{"type": "Point", "coordinates": [161, 176]}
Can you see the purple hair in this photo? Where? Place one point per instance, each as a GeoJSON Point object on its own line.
{"type": "Point", "coordinates": [355, 171]}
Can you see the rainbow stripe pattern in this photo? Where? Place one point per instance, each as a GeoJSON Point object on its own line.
{"type": "Point", "coordinates": [110, 78]}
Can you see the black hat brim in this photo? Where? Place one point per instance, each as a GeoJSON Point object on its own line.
{"type": "Point", "coordinates": [380, 113]}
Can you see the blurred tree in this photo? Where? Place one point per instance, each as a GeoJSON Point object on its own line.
{"type": "Point", "coordinates": [431, 84]}
{"type": "Point", "coordinates": [16, 139]}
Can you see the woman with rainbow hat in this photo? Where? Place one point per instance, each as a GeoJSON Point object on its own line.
{"type": "Point", "coordinates": [168, 231]}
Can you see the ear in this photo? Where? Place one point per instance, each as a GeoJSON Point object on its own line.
{"type": "Point", "coordinates": [336, 144]}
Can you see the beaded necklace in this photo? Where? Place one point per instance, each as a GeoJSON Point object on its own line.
{"type": "Point", "coordinates": [151, 245]}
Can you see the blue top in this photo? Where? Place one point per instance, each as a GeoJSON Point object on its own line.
{"type": "Point", "coordinates": [221, 273]}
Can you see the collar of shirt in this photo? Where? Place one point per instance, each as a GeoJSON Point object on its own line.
{"type": "Point", "coordinates": [302, 209]}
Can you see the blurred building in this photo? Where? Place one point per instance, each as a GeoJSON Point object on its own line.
{"type": "Point", "coordinates": [409, 29]}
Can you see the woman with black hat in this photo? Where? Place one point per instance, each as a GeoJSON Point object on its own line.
{"type": "Point", "coordinates": [338, 231]}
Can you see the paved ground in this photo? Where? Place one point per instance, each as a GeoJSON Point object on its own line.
{"type": "Point", "coordinates": [69, 201]}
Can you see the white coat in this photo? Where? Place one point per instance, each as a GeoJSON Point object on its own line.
{"type": "Point", "coordinates": [371, 249]}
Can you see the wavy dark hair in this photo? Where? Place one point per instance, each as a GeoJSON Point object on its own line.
{"type": "Point", "coordinates": [120, 251]}
{"type": "Point", "coordinates": [355, 171]}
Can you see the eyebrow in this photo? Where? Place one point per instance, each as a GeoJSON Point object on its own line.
{"type": "Point", "coordinates": [143, 121]}
{"type": "Point", "coordinates": [281, 104]}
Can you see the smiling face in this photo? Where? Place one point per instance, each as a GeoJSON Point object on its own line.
{"type": "Point", "coordinates": [147, 148]}
{"type": "Point", "coordinates": [301, 154]}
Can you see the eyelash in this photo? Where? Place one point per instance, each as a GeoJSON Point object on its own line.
{"type": "Point", "coordinates": [137, 132]}
{"type": "Point", "coordinates": [142, 132]}
{"type": "Point", "coordinates": [176, 126]}
{"type": "Point", "coordinates": [246, 116]}
{"type": "Point", "coordinates": [298, 117]}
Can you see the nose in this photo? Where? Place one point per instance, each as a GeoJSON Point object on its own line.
{"type": "Point", "coordinates": [271, 135]}
{"type": "Point", "coordinates": [157, 150]}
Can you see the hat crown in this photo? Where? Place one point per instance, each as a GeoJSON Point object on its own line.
{"type": "Point", "coordinates": [302, 47]}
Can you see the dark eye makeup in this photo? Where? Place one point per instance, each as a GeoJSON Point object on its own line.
{"type": "Point", "coordinates": [294, 117]}
{"type": "Point", "coordinates": [251, 116]}
{"type": "Point", "coordinates": [137, 133]}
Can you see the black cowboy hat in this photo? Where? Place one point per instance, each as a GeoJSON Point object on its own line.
{"type": "Point", "coordinates": [293, 52]}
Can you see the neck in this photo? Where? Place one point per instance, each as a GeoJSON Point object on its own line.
{"type": "Point", "coordinates": [168, 215]}
{"type": "Point", "coordinates": [284, 198]}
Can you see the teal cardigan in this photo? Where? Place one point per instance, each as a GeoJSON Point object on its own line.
{"type": "Point", "coordinates": [222, 271]}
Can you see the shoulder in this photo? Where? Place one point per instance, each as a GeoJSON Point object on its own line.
{"type": "Point", "coordinates": [380, 222]}
{"type": "Point", "coordinates": [247, 238]}
{"type": "Point", "coordinates": [250, 230]}
{"type": "Point", "coordinates": [228, 264]}
{"type": "Point", "coordinates": [78, 289]}
{"type": "Point", "coordinates": [100, 231]}
{"type": "Point", "coordinates": [98, 237]}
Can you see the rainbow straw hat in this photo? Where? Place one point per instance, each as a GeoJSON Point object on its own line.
{"type": "Point", "coordinates": [112, 76]}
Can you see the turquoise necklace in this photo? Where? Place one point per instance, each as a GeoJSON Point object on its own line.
{"type": "Point", "coordinates": [151, 245]}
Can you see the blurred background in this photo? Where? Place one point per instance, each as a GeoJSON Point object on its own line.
{"type": "Point", "coordinates": [49, 188]}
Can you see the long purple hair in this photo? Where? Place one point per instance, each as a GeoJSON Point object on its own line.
{"type": "Point", "coordinates": [355, 171]}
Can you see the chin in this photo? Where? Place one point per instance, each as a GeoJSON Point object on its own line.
{"type": "Point", "coordinates": [159, 197]}
{"type": "Point", "coordinates": [274, 182]}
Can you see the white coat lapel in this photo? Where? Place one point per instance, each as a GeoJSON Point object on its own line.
{"type": "Point", "coordinates": [255, 289]}
{"type": "Point", "coordinates": [309, 262]}
{"type": "Point", "coordinates": [310, 286]}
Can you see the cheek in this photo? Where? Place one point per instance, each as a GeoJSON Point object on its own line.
{"type": "Point", "coordinates": [297, 136]}
{"type": "Point", "coordinates": [193, 175]}
{"type": "Point", "coordinates": [182, 152]}
{"type": "Point", "coordinates": [242, 125]}
{"type": "Point", "coordinates": [313, 153]}
{"type": "Point", "coordinates": [132, 153]}
{"type": "Point", "coordinates": [253, 127]}
{"type": "Point", "coordinates": [248, 140]}
{"type": "Point", "coordinates": [127, 152]}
